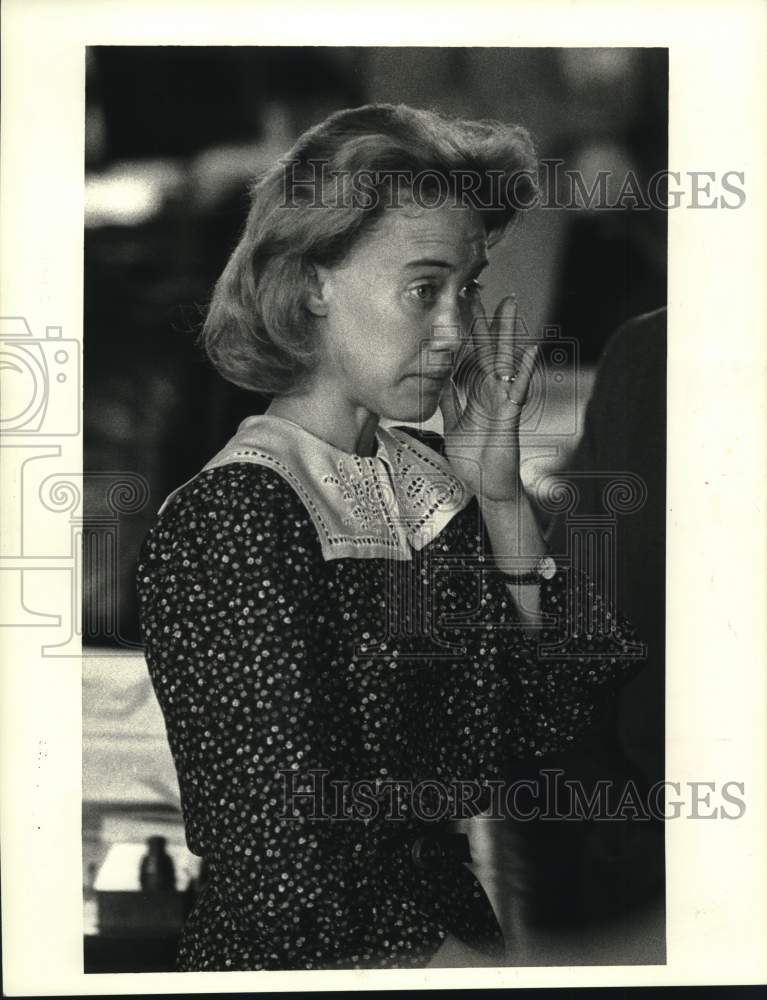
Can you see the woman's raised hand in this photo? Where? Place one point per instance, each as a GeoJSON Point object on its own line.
{"type": "Point", "coordinates": [482, 405]}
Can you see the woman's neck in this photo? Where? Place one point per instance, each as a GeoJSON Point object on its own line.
{"type": "Point", "coordinates": [349, 428]}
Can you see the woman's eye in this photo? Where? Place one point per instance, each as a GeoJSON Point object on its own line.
{"type": "Point", "coordinates": [472, 289]}
{"type": "Point", "coordinates": [424, 292]}
{"type": "Point", "coordinates": [428, 292]}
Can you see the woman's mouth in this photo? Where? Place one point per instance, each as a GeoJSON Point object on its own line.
{"type": "Point", "coordinates": [432, 376]}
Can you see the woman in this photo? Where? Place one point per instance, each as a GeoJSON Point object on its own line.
{"type": "Point", "coordinates": [351, 628]}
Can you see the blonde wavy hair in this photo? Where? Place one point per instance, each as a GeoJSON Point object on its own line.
{"type": "Point", "coordinates": [328, 191]}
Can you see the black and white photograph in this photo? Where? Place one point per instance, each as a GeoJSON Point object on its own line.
{"type": "Point", "coordinates": [404, 618]}
{"type": "Point", "coordinates": [363, 451]}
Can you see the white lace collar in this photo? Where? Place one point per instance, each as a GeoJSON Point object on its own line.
{"type": "Point", "coordinates": [362, 507]}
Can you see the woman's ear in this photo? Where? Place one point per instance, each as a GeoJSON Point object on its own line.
{"type": "Point", "coordinates": [318, 289]}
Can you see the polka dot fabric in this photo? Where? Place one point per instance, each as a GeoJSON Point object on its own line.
{"type": "Point", "coordinates": [285, 678]}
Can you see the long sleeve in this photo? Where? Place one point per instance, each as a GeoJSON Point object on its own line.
{"type": "Point", "coordinates": [555, 680]}
{"type": "Point", "coordinates": [534, 690]}
{"type": "Point", "coordinates": [571, 667]}
{"type": "Point", "coordinates": [231, 615]}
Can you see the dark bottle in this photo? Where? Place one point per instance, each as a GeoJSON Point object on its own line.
{"type": "Point", "coordinates": [90, 902]}
{"type": "Point", "coordinates": [157, 873]}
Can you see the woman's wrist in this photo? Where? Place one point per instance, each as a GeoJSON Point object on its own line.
{"type": "Point", "coordinates": [514, 494]}
{"type": "Point", "coordinates": [514, 530]}
{"type": "Point", "coordinates": [484, 500]}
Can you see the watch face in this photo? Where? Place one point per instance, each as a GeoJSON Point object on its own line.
{"type": "Point", "coordinates": [547, 568]}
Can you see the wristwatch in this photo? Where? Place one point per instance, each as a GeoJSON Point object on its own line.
{"type": "Point", "coordinates": [544, 569]}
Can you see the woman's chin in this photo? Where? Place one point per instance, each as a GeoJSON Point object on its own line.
{"type": "Point", "coordinates": [415, 407]}
{"type": "Point", "coordinates": [415, 412]}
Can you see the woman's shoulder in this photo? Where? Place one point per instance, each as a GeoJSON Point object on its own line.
{"type": "Point", "coordinates": [250, 486]}
{"type": "Point", "coordinates": [244, 504]}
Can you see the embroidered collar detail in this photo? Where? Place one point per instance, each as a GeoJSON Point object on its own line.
{"type": "Point", "coordinates": [362, 507]}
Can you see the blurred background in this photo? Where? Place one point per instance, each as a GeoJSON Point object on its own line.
{"type": "Point", "coordinates": [174, 135]}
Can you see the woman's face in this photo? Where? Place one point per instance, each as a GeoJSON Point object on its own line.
{"type": "Point", "coordinates": [395, 312]}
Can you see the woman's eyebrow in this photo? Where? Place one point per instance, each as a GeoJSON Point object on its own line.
{"type": "Point", "coordinates": [429, 262]}
{"type": "Point", "coordinates": [434, 262]}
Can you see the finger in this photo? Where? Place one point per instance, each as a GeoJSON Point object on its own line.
{"type": "Point", "coordinates": [479, 351]}
{"type": "Point", "coordinates": [479, 362]}
{"type": "Point", "coordinates": [520, 386]}
{"type": "Point", "coordinates": [505, 336]}
{"type": "Point", "coordinates": [505, 318]}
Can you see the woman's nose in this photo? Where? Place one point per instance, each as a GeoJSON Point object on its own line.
{"type": "Point", "coordinates": [449, 326]}
{"type": "Point", "coordinates": [445, 344]}
{"type": "Point", "coordinates": [449, 331]}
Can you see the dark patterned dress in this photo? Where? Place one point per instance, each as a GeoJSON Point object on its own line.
{"type": "Point", "coordinates": [341, 669]}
